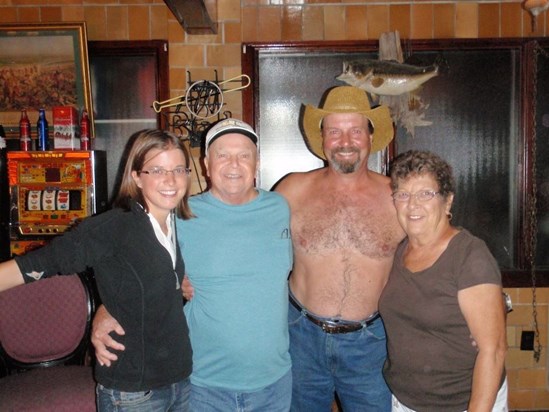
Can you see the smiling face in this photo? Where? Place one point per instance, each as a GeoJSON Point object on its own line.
{"type": "Point", "coordinates": [346, 141]}
{"type": "Point", "coordinates": [232, 164]}
{"type": "Point", "coordinates": [162, 192]}
{"type": "Point", "coordinates": [422, 218]}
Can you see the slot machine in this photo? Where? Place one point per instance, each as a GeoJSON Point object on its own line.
{"type": "Point", "coordinates": [52, 190]}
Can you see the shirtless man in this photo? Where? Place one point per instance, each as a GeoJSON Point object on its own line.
{"type": "Point", "coordinates": [344, 234]}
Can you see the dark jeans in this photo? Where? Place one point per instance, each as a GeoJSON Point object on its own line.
{"type": "Point", "coordinates": [347, 363]}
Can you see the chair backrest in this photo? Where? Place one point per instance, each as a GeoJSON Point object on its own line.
{"type": "Point", "coordinates": [47, 322]}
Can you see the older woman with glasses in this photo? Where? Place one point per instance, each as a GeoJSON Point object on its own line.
{"type": "Point", "coordinates": [444, 287]}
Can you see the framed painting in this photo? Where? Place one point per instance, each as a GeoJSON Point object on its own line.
{"type": "Point", "coordinates": [42, 65]}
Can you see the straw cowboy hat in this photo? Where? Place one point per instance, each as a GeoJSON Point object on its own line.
{"type": "Point", "coordinates": [347, 99]}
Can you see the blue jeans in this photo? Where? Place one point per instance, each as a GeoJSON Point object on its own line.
{"type": "Point", "coordinates": [273, 398]}
{"type": "Point", "coordinates": [347, 363]}
{"type": "Point", "coordinates": [173, 398]}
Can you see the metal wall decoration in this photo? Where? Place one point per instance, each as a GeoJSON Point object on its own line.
{"type": "Point", "coordinates": [190, 114]}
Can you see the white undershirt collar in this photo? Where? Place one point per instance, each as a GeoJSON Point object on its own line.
{"type": "Point", "coordinates": [165, 240]}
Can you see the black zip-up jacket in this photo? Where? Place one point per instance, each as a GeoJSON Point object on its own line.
{"type": "Point", "coordinates": [137, 284]}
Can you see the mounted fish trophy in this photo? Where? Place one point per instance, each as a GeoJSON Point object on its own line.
{"type": "Point", "coordinates": [535, 7]}
{"type": "Point", "coordinates": [392, 82]}
{"type": "Point", "coordinates": [386, 77]}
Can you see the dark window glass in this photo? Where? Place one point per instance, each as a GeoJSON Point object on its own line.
{"type": "Point", "coordinates": [542, 158]}
{"type": "Point", "coordinates": [475, 111]}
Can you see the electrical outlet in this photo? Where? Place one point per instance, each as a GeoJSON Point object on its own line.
{"type": "Point", "coordinates": [527, 340]}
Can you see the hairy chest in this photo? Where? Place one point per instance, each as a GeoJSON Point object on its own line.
{"type": "Point", "coordinates": [362, 226]}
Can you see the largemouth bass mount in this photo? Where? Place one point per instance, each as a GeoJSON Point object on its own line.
{"type": "Point", "coordinates": [386, 77]}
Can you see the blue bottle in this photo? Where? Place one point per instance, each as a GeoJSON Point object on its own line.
{"type": "Point", "coordinates": [42, 129]}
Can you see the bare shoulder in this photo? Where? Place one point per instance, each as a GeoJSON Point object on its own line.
{"type": "Point", "coordinates": [381, 180]}
{"type": "Point", "coordinates": [291, 185]}
{"type": "Point", "coordinates": [376, 186]}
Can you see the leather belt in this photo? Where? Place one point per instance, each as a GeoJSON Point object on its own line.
{"type": "Point", "coordinates": [336, 325]}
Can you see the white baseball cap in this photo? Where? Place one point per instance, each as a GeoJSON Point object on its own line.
{"type": "Point", "coordinates": [227, 126]}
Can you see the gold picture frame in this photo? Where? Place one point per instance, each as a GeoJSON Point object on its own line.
{"type": "Point", "coordinates": [43, 65]}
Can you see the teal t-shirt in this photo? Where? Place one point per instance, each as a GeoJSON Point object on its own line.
{"type": "Point", "coordinates": [238, 259]}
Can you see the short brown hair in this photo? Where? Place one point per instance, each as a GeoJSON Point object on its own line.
{"type": "Point", "coordinates": [419, 163]}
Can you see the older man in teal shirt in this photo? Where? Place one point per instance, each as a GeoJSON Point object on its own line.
{"type": "Point", "coordinates": [238, 256]}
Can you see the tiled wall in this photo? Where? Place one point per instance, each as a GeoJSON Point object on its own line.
{"type": "Point", "coordinates": [527, 378]}
{"type": "Point", "coordinates": [285, 20]}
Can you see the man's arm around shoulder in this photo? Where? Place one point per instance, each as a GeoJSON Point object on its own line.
{"type": "Point", "coordinates": [103, 325]}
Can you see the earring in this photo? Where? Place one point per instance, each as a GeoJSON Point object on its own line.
{"type": "Point", "coordinates": [449, 214]}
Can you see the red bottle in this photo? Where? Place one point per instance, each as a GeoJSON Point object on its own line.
{"type": "Point", "coordinates": [24, 132]}
{"type": "Point", "coordinates": [85, 131]}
